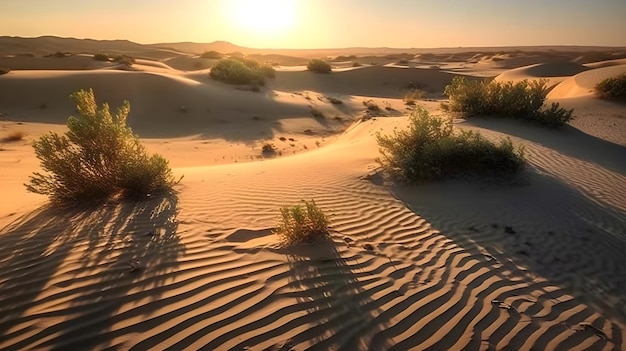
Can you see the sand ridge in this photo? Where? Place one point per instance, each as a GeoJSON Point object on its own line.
{"type": "Point", "coordinates": [536, 264]}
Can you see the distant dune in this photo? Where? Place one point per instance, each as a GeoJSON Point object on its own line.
{"type": "Point", "coordinates": [536, 263]}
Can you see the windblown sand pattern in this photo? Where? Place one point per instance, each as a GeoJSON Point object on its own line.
{"type": "Point", "coordinates": [533, 265]}
{"type": "Point", "coordinates": [210, 274]}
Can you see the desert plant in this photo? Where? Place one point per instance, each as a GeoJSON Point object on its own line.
{"type": "Point", "coordinates": [124, 59]}
{"type": "Point", "coordinates": [268, 150]}
{"type": "Point", "coordinates": [99, 157]}
{"type": "Point", "coordinates": [334, 100]}
{"type": "Point", "coordinates": [4, 70]}
{"type": "Point", "coordinates": [411, 96]}
{"type": "Point", "coordinates": [371, 105]}
{"type": "Point", "coordinates": [356, 64]}
{"type": "Point", "coordinates": [101, 57]}
{"type": "Point", "coordinates": [430, 149]}
{"type": "Point", "coordinates": [212, 55]}
{"type": "Point", "coordinates": [318, 66]}
{"type": "Point", "coordinates": [13, 137]}
{"type": "Point", "coordinates": [302, 224]}
{"type": "Point", "coordinates": [613, 88]}
{"type": "Point", "coordinates": [242, 71]}
{"type": "Point", "coordinates": [524, 99]}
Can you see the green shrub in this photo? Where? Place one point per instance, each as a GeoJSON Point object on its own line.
{"type": "Point", "coordinates": [98, 158]}
{"type": "Point", "coordinates": [523, 99]}
{"type": "Point", "coordinates": [318, 66]}
{"type": "Point", "coordinates": [302, 224]}
{"type": "Point", "coordinates": [4, 70]}
{"type": "Point", "coordinates": [430, 149]}
{"type": "Point", "coordinates": [613, 88]}
{"type": "Point", "coordinates": [212, 55]}
{"type": "Point", "coordinates": [101, 57]}
{"type": "Point", "coordinates": [242, 71]}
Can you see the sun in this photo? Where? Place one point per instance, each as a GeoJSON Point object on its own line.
{"type": "Point", "coordinates": [262, 17]}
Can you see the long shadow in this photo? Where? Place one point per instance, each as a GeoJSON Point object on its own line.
{"type": "Point", "coordinates": [546, 225]}
{"type": "Point", "coordinates": [69, 272]}
{"type": "Point", "coordinates": [567, 140]}
{"type": "Point", "coordinates": [342, 313]}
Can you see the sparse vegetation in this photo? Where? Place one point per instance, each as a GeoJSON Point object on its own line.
{"type": "Point", "coordinates": [319, 66]}
{"type": "Point", "coordinates": [268, 150]}
{"type": "Point", "coordinates": [101, 57]}
{"type": "Point", "coordinates": [523, 100]}
{"type": "Point", "coordinates": [98, 158]}
{"type": "Point", "coordinates": [212, 55]}
{"type": "Point", "coordinates": [371, 105]}
{"type": "Point", "coordinates": [13, 137]}
{"type": "Point", "coordinates": [242, 71]}
{"type": "Point", "coordinates": [302, 224]}
{"type": "Point", "coordinates": [411, 97]}
{"type": "Point", "coordinates": [4, 70]}
{"type": "Point", "coordinates": [613, 88]}
{"type": "Point", "coordinates": [334, 100]}
{"type": "Point", "coordinates": [430, 149]}
{"type": "Point", "coordinates": [124, 59]}
{"type": "Point", "coordinates": [356, 64]}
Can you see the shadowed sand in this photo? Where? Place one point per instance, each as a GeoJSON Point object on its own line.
{"type": "Point", "coordinates": [533, 265]}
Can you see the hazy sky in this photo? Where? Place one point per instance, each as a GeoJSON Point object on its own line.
{"type": "Point", "coordinates": [325, 23]}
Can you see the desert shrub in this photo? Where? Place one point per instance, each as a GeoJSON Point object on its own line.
{"type": "Point", "coordinates": [302, 224]}
{"type": "Point", "coordinates": [613, 88]}
{"type": "Point", "coordinates": [212, 55]}
{"type": "Point", "coordinates": [13, 137]}
{"type": "Point", "coordinates": [334, 100]}
{"type": "Point", "coordinates": [411, 96]}
{"type": "Point", "coordinates": [124, 59]}
{"type": "Point", "coordinates": [430, 149]}
{"type": "Point", "coordinates": [318, 66]}
{"type": "Point", "coordinates": [523, 99]}
{"type": "Point", "coordinates": [371, 105]}
{"type": "Point", "coordinates": [356, 64]}
{"type": "Point", "coordinates": [268, 150]}
{"type": "Point", "coordinates": [101, 57]}
{"type": "Point", "coordinates": [242, 71]}
{"type": "Point", "coordinates": [98, 158]}
{"type": "Point", "coordinates": [4, 70]}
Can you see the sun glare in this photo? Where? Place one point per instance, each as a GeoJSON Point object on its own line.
{"type": "Point", "coordinates": [262, 17]}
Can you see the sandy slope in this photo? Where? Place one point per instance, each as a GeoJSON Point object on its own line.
{"type": "Point", "coordinates": [527, 266]}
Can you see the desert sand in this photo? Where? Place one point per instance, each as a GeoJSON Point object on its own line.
{"type": "Point", "coordinates": [534, 265]}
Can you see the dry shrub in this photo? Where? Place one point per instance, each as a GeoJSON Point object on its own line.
{"type": "Point", "coordinates": [99, 157]}
{"type": "Point", "coordinates": [302, 224]}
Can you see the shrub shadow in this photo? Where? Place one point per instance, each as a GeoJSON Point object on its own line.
{"type": "Point", "coordinates": [85, 265]}
{"type": "Point", "coordinates": [341, 312]}
{"type": "Point", "coordinates": [546, 225]}
{"type": "Point", "coordinates": [567, 140]}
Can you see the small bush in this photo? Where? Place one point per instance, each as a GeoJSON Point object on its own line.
{"type": "Point", "coordinates": [124, 59]}
{"type": "Point", "coordinates": [13, 137]}
{"type": "Point", "coordinates": [101, 57]}
{"type": "Point", "coordinates": [430, 150]}
{"type": "Point", "coordinates": [242, 71]}
{"type": "Point", "coordinates": [356, 64]}
{"type": "Point", "coordinates": [99, 157]}
{"type": "Point", "coordinates": [302, 224]}
{"type": "Point", "coordinates": [371, 105]}
{"type": "Point", "coordinates": [523, 99]}
{"type": "Point", "coordinates": [319, 66]}
{"type": "Point", "coordinates": [613, 88]}
{"type": "Point", "coordinates": [411, 97]}
{"type": "Point", "coordinates": [268, 150]}
{"type": "Point", "coordinates": [4, 70]}
{"type": "Point", "coordinates": [334, 100]}
{"type": "Point", "coordinates": [212, 55]}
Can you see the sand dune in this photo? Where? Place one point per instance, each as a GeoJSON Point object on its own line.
{"type": "Point", "coordinates": [582, 84]}
{"type": "Point", "coordinates": [443, 273]}
{"type": "Point", "coordinates": [554, 72]}
{"type": "Point", "coordinates": [533, 265]}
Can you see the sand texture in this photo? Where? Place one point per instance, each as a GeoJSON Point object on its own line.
{"type": "Point", "coordinates": [536, 264]}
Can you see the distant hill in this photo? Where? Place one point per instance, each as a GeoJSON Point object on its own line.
{"type": "Point", "coordinates": [45, 45]}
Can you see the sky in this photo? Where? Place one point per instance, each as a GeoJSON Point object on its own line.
{"type": "Point", "coordinates": [325, 23]}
